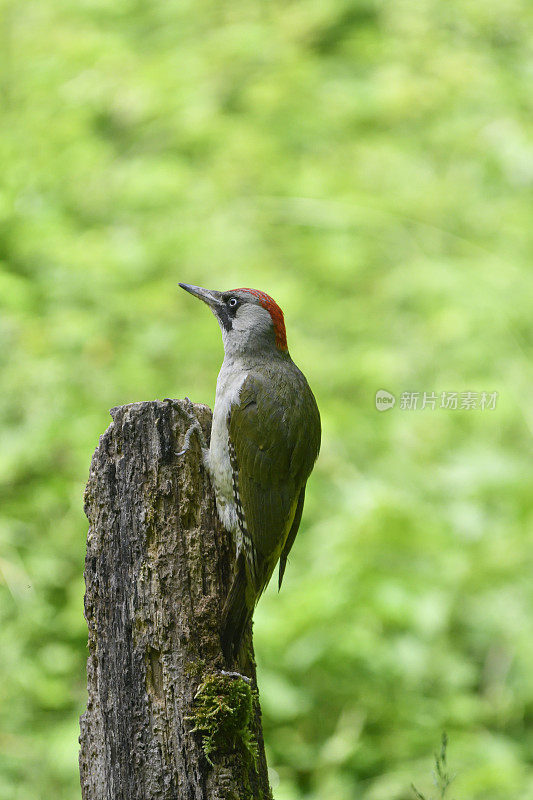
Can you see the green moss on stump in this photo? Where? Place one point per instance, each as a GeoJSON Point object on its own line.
{"type": "Point", "coordinates": [222, 715]}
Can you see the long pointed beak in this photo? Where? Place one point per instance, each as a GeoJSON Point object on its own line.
{"type": "Point", "coordinates": [209, 296]}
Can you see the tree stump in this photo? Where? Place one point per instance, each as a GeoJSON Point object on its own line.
{"type": "Point", "coordinates": [164, 719]}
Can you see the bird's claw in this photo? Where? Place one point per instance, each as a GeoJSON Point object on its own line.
{"type": "Point", "coordinates": [193, 427]}
{"type": "Point", "coordinates": [235, 675]}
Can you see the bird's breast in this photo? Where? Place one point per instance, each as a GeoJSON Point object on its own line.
{"type": "Point", "coordinates": [228, 388]}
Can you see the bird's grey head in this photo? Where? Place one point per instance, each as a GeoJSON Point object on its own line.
{"type": "Point", "coordinates": [251, 321]}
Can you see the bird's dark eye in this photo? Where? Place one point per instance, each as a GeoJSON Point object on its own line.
{"type": "Point", "coordinates": [233, 302]}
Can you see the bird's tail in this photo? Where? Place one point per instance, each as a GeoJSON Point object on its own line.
{"type": "Point", "coordinates": [238, 610]}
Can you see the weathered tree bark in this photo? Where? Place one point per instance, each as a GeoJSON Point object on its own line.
{"type": "Point", "coordinates": [164, 721]}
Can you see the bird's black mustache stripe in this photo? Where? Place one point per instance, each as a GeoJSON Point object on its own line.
{"type": "Point", "coordinates": [224, 317]}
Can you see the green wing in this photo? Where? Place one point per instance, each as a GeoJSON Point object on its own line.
{"type": "Point", "coordinates": [291, 537]}
{"type": "Point", "coordinates": [275, 441]}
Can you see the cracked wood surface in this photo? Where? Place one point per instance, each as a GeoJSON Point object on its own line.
{"type": "Point", "coordinates": [157, 571]}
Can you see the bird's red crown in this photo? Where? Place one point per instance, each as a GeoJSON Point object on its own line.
{"type": "Point", "coordinates": [275, 312]}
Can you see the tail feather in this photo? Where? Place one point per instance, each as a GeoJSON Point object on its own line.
{"type": "Point", "coordinates": [237, 612]}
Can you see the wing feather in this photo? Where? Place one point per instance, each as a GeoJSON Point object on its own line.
{"type": "Point", "coordinates": [275, 439]}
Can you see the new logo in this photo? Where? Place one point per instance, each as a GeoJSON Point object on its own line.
{"type": "Point", "coordinates": [384, 400]}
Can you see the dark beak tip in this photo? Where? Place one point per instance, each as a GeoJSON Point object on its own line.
{"type": "Point", "coordinates": [190, 288]}
{"type": "Point", "coordinates": [206, 295]}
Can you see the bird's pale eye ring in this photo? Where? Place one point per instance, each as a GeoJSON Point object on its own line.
{"type": "Point", "coordinates": [233, 302]}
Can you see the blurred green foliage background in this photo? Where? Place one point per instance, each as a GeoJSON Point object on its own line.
{"type": "Point", "coordinates": [369, 164]}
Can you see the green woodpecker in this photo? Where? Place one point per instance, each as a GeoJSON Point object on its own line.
{"type": "Point", "coordinates": [265, 439]}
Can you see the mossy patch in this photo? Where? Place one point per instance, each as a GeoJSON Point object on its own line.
{"type": "Point", "coordinates": [222, 715]}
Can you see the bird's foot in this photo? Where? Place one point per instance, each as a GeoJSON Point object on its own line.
{"type": "Point", "coordinates": [227, 674]}
{"type": "Point", "coordinates": [194, 427]}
